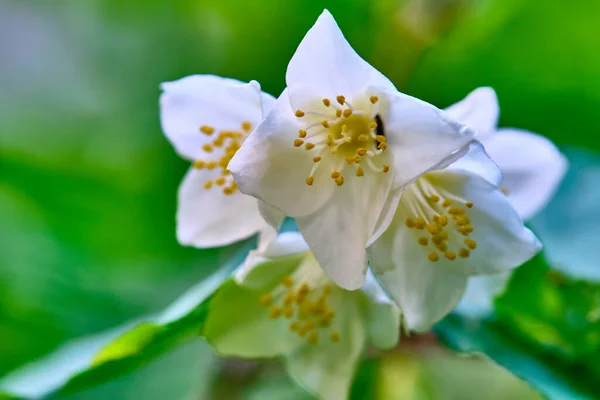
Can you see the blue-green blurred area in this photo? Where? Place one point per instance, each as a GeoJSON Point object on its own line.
{"type": "Point", "coordinates": [88, 183]}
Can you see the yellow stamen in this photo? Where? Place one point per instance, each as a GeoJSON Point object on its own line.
{"type": "Point", "coordinates": [464, 253]}
{"type": "Point", "coordinates": [207, 130]}
{"type": "Point", "coordinates": [420, 224]}
{"type": "Point", "coordinates": [360, 172]}
{"type": "Point", "coordinates": [220, 181]}
{"type": "Point", "coordinates": [199, 164]}
{"type": "Point", "coordinates": [339, 180]}
{"type": "Point", "coordinates": [469, 204]}
{"type": "Point", "coordinates": [275, 312]}
{"type": "Point", "coordinates": [373, 125]}
{"type": "Point", "coordinates": [450, 255]}
{"type": "Point", "coordinates": [207, 148]}
{"type": "Point", "coordinates": [287, 281]}
{"type": "Point", "coordinates": [410, 223]}
{"type": "Point", "coordinates": [325, 123]}
{"type": "Point", "coordinates": [298, 142]}
{"type": "Point", "coordinates": [433, 256]}
{"type": "Point", "coordinates": [309, 146]}
{"type": "Point", "coordinates": [302, 133]}
{"type": "Point", "coordinates": [246, 126]}
{"type": "Point", "coordinates": [446, 203]}
{"type": "Point", "coordinates": [266, 300]}
{"type": "Point", "coordinates": [326, 102]}
{"type": "Point", "coordinates": [347, 112]}
{"type": "Point", "coordinates": [208, 185]}
{"type": "Point", "coordinates": [313, 338]}
{"type": "Point", "coordinates": [316, 159]}
{"type": "Point", "coordinates": [361, 151]}
{"type": "Point", "coordinates": [423, 241]}
{"type": "Point", "coordinates": [338, 113]}
{"type": "Point", "coordinates": [310, 180]}
{"type": "Point", "coordinates": [299, 113]}
{"type": "Point", "coordinates": [335, 337]}
{"type": "Point", "coordinates": [386, 168]}
{"type": "Point", "coordinates": [341, 100]}
{"type": "Point", "coordinates": [374, 99]}
{"type": "Point", "coordinates": [470, 243]}
{"type": "Point", "coordinates": [362, 137]}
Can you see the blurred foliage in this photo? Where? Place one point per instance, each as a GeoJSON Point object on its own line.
{"type": "Point", "coordinates": [88, 184]}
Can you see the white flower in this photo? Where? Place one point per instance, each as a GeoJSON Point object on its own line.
{"type": "Point", "coordinates": [282, 304]}
{"type": "Point", "coordinates": [207, 118]}
{"type": "Point", "coordinates": [338, 146]}
{"type": "Point", "coordinates": [449, 225]}
{"type": "Point", "coordinates": [532, 167]}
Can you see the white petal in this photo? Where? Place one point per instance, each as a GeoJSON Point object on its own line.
{"type": "Point", "coordinates": [382, 315]}
{"type": "Point", "coordinates": [338, 233]}
{"type": "Point", "coordinates": [479, 110]}
{"type": "Point", "coordinates": [272, 215]}
{"type": "Point", "coordinates": [532, 166]}
{"type": "Point", "coordinates": [325, 65]}
{"type": "Point", "coordinates": [420, 136]}
{"type": "Point", "coordinates": [209, 218]}
{"type": "Point", "coordinates": [197, 100]}
{"type": "Point", "coordinates": [269, 167]}
{"type": "Point", "coordinates": [478, 301]}
{"type": "Point", "coordinates": [477, 162]}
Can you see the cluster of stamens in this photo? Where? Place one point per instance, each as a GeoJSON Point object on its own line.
{"type": "Point", "coordinates": [229, 142]}
{"type": "Point", "coordinates": [345, 131]}
{"type": "Point", "coordinates": [306, 308]}
{"type": "Point", "coordinates": [436, 231]}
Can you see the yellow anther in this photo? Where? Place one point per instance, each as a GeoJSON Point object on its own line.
{"type": "Point", "coordinates": [442, 246]}
{"type": "Point", "coordinates": [341, 100]}
{"type": "Point", "coordinates": [450, 255]}
{"type": "Point", "coordinates": [433, 229]}
{"type": "Point", "coordinates": [433, 256]}
{"type": "Point", "coordinates": [316, 159]}
{"type": "Point", "coordinates": [299, 113]}
{"type": "Point", "coordinates": [386, 168]}
{"type": "Point", "coordinates": [410, 223]}
{"type": "Point", "coordinates": [275, 312]}
{"type": "Point", "coordinates": [469, 204]}
{"type": "Point", "coordinates": [380, 138]}
{"type": "Point", "coordinates": [287, 281]}
{"type": "Point", "coordinates": [382, 145]}
{"type": "Point", "coordinates": [335, 174]}
{"type": "Point", "coordinates": [310, 180]}
{"type": "Point", "coordinates": [361, 151]}
{"type": "Point", "coordinates": [246, 126]}
{"type": "Point", "coordinates": [293, 326]}
{"type": "Point", "coordinates": [357, 158]}
{"type": "Point", "coordinates": [207, 148]}
{"type": "Point", "coordinates": [220, 181]}
{"type": "Point", "coordinates": [444, 235]}
{"type": "Point", "coordinates": [302, 331]}
{"type": "Point", "coordinates": [288, 312]}
{"type": "Point", "coordinates": [348, 139]}
{"type": "Point", "coordinates": [470, 243]}
{"type": "Point", "coordinates": [325, 123]}
{"type": "Point", "coordinates": [327, 289]}
{"type": "Point", "coordinates": [464, 253]}
{"type": "Point", "coordinates": [446, 203]}
{"type": "Point", "coordinates": [437, 239]}
{"type": "Point", "coordinates": [335, 337]}
{"type": "Point", "coordinates": [420, 224]}
{"type": "Point", "coordinates": [313, 338]}
{"type": "Point", "coordinates": [309, 146]}
{"type": "Point", "coordinates": [360, 172]}
{"type": "Point", "coordinates": [338, 113]}
{"type": "Point", "coordinates": [465, 229]}
{"type": "Point", "coordinates": [436, 219]}
{"type": "Point", "coordinates": [423, 241]}
{"type": "Point", "coordinates": [434, 198]}
{"type": "Point", "coordinates": [443, 220]}
{"type": "Point", "coordinates": [304, 288]}
{"type": "Point", "coordinates": [373, 125]}
{"type": "Point", "coordinates": [266, 300]}
{"type": "Point", "coordinates": [230, 190]}
{"type": "Point", "coordinates": [298, 142]}
{"type": "Point", "coordinates": [462, 220]}
{"type": "Point", "coordinates": [456, 210]}
{"type": "Point", "coordinates": [208, 185]}
{"type": "Point", "coordinates": [326, 102]}
{"type": "Point", "coordinates": [350, 159]}
{"type": "Point", "coordinates": [302, 133]}
{"type": "Point", "coordinates": [373, 99]}
{"type": "Point", "coordinates": [362, 137]}
{"type": "Point", "coordinates": [208, 130]}
{"type": "Point", "coordinates": [199, 164]}
{"type": "Point", "coordinates": [339, 180]}
{"type": "Point", "coordinates": [344, 128]}
{"type": "Point", "coordinates": [347, 112]}
{"type": "Point", "coordinates": [289, 299]}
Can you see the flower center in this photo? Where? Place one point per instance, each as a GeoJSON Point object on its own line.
{"type": "Point", "coordinates": [307, 308]}
{"type": "Point", "coordinates": [222, 149]}
{"type": "Point", "coordinates": [439, 223]}
{"type": "Point", "coordinates": [350, 136]}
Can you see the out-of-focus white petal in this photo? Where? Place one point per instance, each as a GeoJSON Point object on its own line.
{"type": "Point", "coordinates": [339, 232]}
{"type": "Point", "coordinates": [478, 300]}
{"type": "Point", "coordinates": [206, 100]}
{"type": "Point", "coordinates": [269, 167]}
{"type": "Point", "coordinates": [272, 215]}
{"type": "Point", "coordinates": [477, 162]}
{"type": "Point", "coordinates": [532, 167]}
{"type": "Point", "coordinates": [479, 110]}
{"type": "Point", "coordinates": [209, 218]}
{"type": "Point", "coordinates": [420, 137]}
{"type": "Point", "coordinates": [382, 315]}
{"type": "Point", "coordinates": [325, 65]}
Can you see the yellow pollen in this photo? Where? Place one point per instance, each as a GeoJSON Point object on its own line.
{"type": "Point", "coordinates": [302, 133]}
{"type": "Point", "coordinates": [362, 137]}
{"type": "Point", "coordinates": [442, 246]}
{"type": "Point", "coordinates": [380, 138]}
{"type": "Point", "coordinates": [289, 299]}
{"type": "Point", "coordinates": [287, 281]}
{"type": "Point", "coordinates": [339, 180]}
{"type": "Point", "coordinates": [469, 204]}
{"type": "Point", "coordinates": [313, 338]}
{"type": "Point", "coordinates": [199, 164]}
{"type": "Point", "coordinates": [208, 185]}
{"type": "Point", "coordinates": [361, 151]}
{"type": "Point", "coordinates": [208, 130]}
{"type": "Point", "coordinates": [410, 223]}
{"type": "Point", "coordinates": [450, 255]}
{"type": "Point", "coordinates": [344, 128]}
{"type": "Point", "coordinates": [433, 229]}
{"type": "Point", "coordinates": [341, 100]}
{"type": "Point", "coordinates": [423, 241]}
{"type": "Point", "coordinates": [374, 99]}
{"type": "Point", "coordinates": [325, 124]}
{"type": "Point", "coordinates": [266, 300]}
{"type": "Point", "coordinates": [293, 326]}
{"type": "Point", "coordinates": [220, 181]}
{"type": "Point", "coordinates": [443, 220]}
{"type": "Point", "coordinates": [275, 312]}
{"type": "Point", "coordinates": [316, 159]}
{"type": "Point", "coordinates": [335, 337]}
{"type": "Point", "coordinates": [309, 146]}
{"type": "Point", "coordinates": [347, 112]}
{"type": "Point", "coordinates": [288, 312]}
{"type": "Point", "coordinates": [348, 139]}
{"type": "Point", "coordinates": [433, 256]}
{"type": "Point", "coordinates": [304, 288]}
{"type": "Point", "coordinates": [437, 239]}
{"type": "Point", "coordinates": [360, 172]}
{"type": "Point", "coordinates": [310, 180]}
{"type": "Point", "coordinates": [434, 198]}
{"type": "Point", "coordinates": [420, 224]}
{"type": "Point", "coordinates": [446, 203]}
{"type": "Point", "coordinates": [382, 145]}
{"type": "Point", "coordinates": [462, 220]}
{"type": "Point", "coordinates": [230, 190]}
{"type": "Point", "coordinates": [356, 158]}
{"type": "Point", "coordinates": [338, 113]}
{"type": "Point", "coordinates": [470, 243]}
{"type": "Point", "coordinates": [456, 210]}
{"type": "Point", "coordinates": [373, 125]}
{"type": "Point", "coordinates": [326, 102]}
{"type": "Point", "coordinates": [335, 174]}
{"type": "Point", "coordinates": [246, 126]}
{"type": "Point", "coordinates": [299, 113]}
{"type": "Point", "coordinates": [464, 253]}
{"type": "Point", "coordinates": [386, 168]}
{"type": "Point", "coordinates": [298, 142]}
{"type": "Point", "coordinates": [207, 148]}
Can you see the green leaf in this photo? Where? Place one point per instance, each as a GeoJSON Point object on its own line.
{"type": "Point", "coordinates": [89, 361]}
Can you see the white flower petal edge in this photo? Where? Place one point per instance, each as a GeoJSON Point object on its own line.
{"type": "Point", "coordinates": [532, 165]}
{"type": "Point", "coordinates": [478, 300]}
{"type": "Point", "coordinates": [449, 225]}
{"type": "Point", "coordinates": [207, 118]}
{"type": "Point", "coordinates": [479, 110]}
{"type": "Point", "coordinates": [336, 143]}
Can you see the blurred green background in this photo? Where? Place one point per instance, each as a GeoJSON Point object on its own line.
{"type": "Point", "coordinates": [88, 183]}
